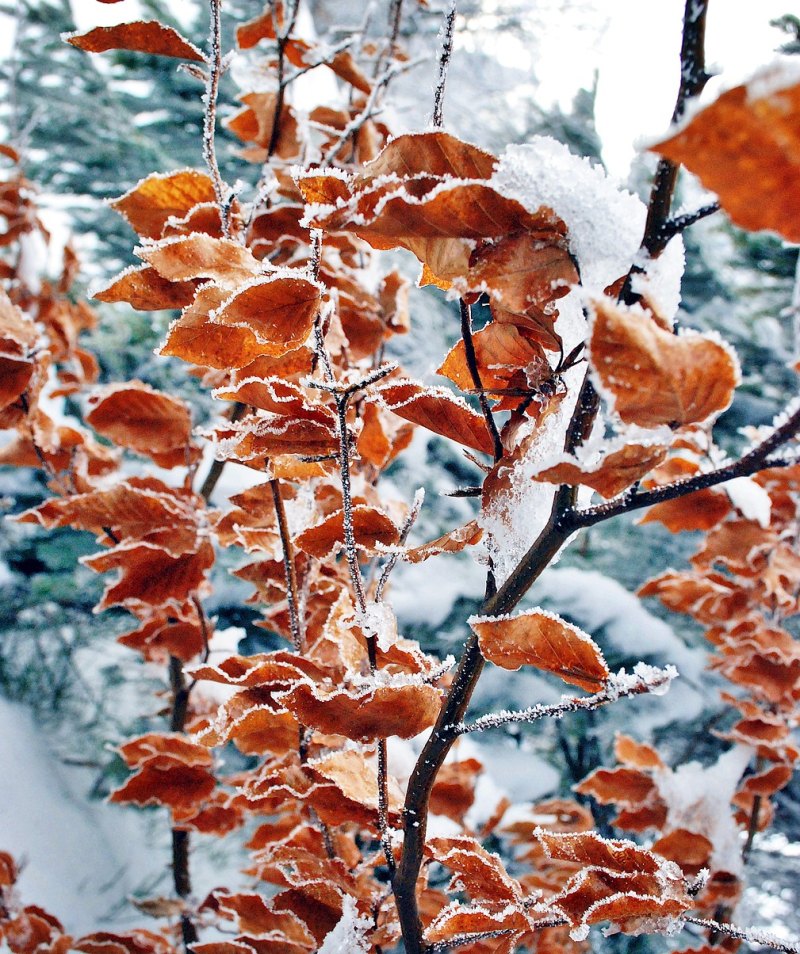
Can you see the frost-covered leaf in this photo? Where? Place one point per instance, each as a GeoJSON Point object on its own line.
{"type": "Point", "coordinates": [653, 377]}
{"type": "Point", "coordinates": [439, 411]}
{"type": "Point", "coordinates": [136, 416]}
{"type": "Point", "coordinates": [541, 639]}
{"type": "Point", "coordinates": [148, 206]}
{"type": "Point", "coordinates": [141, 36]}
{"type": "Point", "coordinates": [745, 146]}
{"type": "Point", "coordinates": [612, 473]}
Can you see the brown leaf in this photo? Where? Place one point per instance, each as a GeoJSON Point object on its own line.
{"type": "Point", "coordinates": [439, 411]}
{"type": "Point", "coordinates": [701, 510]}
{"type": "Point", "coordinates": [145, 290]}
{"type": "Point", "coordinates": [635, 754]}
{"type": "Point", "coordinates": [166, 782]}
{"type": "Point", "coordinates": [136, 416]}
{"type": "Point", "coordinates": [502, 349]}
{"type": "Point", "coordinates": [150, 577]}
{"type": "Point", "coordinates": [653, 377]}
{"type": "Point", "coordinates": [370, 527]}
{"type": "Point", "coordinates": [149, 205]}
{"type": "Point", "coordinates": [745, 147]}
{"type": "Point", "coordinates": [365, 714]}
{"type": "Point", "coordinates": [453, 542]}
{"type": "Point", "coordinates": [278, 312]}
{"type": "Point", "coordinates": [541, 639]}
{"type": "Point", "coordinates": [198, 255]}
{"type": "Point", "coordinates": [621, 786]}
{"type": "Point", "coordinates": [139, 37]}
{"type": "Point", "coordinates": [612, 474]}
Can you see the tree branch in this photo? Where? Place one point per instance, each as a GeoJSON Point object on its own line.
{"type": "Point", "coordinates": [752, 462]}
{"type": "Point", "coordinates": [619, 687]}
{"type": "Point", "coordinates": [472, 364]}
{"type": "Point", "coordinates": [445, 55]}
{"type": "Point", "coordinates": [552, 537]}
{"type": "Point", "coordinates": [289, 569]}
{"type": "Point", "coordinates": [210, 112]}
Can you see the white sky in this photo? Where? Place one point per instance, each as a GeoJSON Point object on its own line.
{"type": "Point", "coordinates": [634, 44]}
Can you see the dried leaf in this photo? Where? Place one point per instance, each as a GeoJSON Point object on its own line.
{"type": "Point", "coordinates": [745, 147]}
{"type": "Point", "coordinates": [541, 639]}
{"type": "Point", "coordinates": [612, 474]}
{"type": "Point", "coordinates": [141, 36]}
{"type": "Point", "coordinates": [150, 204]}
{"type": "Point", "coordinates": [653, 377]}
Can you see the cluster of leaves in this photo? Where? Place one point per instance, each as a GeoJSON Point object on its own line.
{"type": "Point", "coordinates": [285, 313]}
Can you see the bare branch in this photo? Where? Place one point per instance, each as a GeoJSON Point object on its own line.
{"type": "Point", "coordinates": [472, 364]}
{"type": "Point", "coordinates": [750, 937]}
{"type": "Point", "coordinates": [445, 54]}
{"type": "Point", "coordinates": [210, 113]}
{"type": "Point", "coordinates": [643, 680]}
{"type": "Point", "coordinates": [413, 513]}
{"type": "Point", "coordinates": [289, 569]}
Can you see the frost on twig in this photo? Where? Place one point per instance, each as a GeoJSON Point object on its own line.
{"type": "Point", "coordinates": [643, 679]}
{"type": "Point", "coordinates": [445, 54]}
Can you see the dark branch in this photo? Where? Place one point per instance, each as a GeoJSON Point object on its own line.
{"type": "Point", "coordinates": [474, 372]}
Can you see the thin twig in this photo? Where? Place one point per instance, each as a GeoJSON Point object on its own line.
{"type": "Point", "coordinates": [290, 571]}
{"type": "Point", "coordinates": [217, 466]}
{"type": "Point", "coordinates": [474, 373]}
{"type": "Point", "coordinates": [370, 109]}
{"type": "Point", "coordinates": [389, 565]}
{"type": "Point", "coordinates": [644, 683]}
{"type": "Point", "coordinates": [445, 55]}
{"type": "Point", "coordinates": [750, 937]}
{"type": "Point", "coordinates": [210, 113]}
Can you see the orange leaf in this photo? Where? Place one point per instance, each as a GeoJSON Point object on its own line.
{"type": "Point", "coordinates": [365, 714]}
{"type": "Point", "coordinates": [453, 542]}
{"type": "Point", "coordinates": [745, 147]}
{"type": "Point", "coordinates": [612, 474]}
{"type": "Point", "coordinates": [370, 527]}
{"type": "Point", "coordinates": [621, 786]}
{"type": "Point", "coordinates": [701, 510]}
{"type": "Point", "coordinates": [141, 749]}
{"type": "Point", "coordinates": [541, 639]}
{"type": "Point", "coordinates": [636, 754]}
{"type": "Point", "coordinates": [439, 411]}
{"type": "Point", "coordinates": [145, 290]}
{"type": "Point", "coordinates": [653, 377]}
{"type": "Point", "coordinates": [279, 312]}
{"type": "Point", "coordinates": [151, 578]}
{"type": "Point", "coordinates": [167, 782]}
{"type": "Point", "coordinates": [141, 36]}
{"type": "Point", "coordinates": [136, 416]}
{"type": "Point", "coordinates": [149, 205]}
{"type": "Point", "coordinates": [198, 255]}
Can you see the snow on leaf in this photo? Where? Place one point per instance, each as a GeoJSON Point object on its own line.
{"type": "Point", "coordinates": [145, 290]}
{"type": "Point", "coordinates": [614, 472]}
{"type": "Point", "coordinates": [404, 709]}
{"type": "Point", "coordinates": [439, 411]}
{"type": "Point", "coordinates": [141, 36]}
{"type": "Point", "coordinates": [186, 257]}
{"type": "Point", "coordinates": [745, 147]}
{"type": "Point", "coordinates": [350, 936]}
{"type": "Point", "coordinates": [370, 527]}
{"type": "Point", "coordinates": [544, 640]}
{"type": "Point", "coordinates": [278, 311]}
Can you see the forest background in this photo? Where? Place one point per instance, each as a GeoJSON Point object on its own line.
{"type": "Point", "coordinates": [89, 128]}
